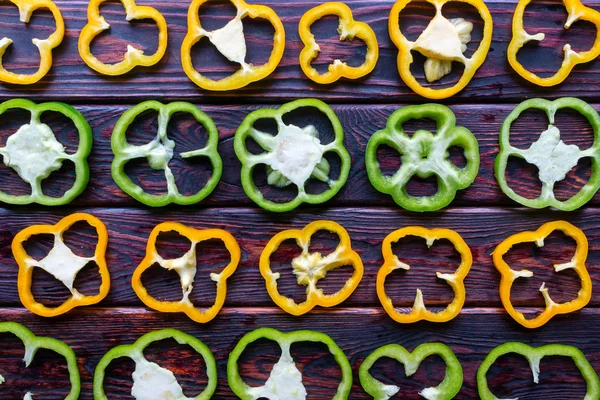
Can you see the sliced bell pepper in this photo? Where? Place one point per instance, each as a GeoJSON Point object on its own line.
{"type": "Point", "coordinates": [442, 42]}
{"type": "Point", "coordinates": [285, 380]}
{"type": "Point", "coordinates": [424, 154]}
{"type": "Point", "coordinates": [309, 267]}
{"type": "Point", "coordinates": [534, 356]}
{"type": "Point", "coordinates": [348, 29]}
{"type": "Point", "coordinates": [293, 156]}
{"type": "Point", "coordinates": [456, 280]}
{"type": "Point", "coordinates": [159, 153]}
{"type": "Point", "coordinates": [45, 46]}
{"type": "Point", "coordinates": [33, 343]}
{"type": "Point", "coordinates": [150, 380]}
{"type": "Point", "coordinates": [61, 263]}
{"type": "Point", "coordinates": [34, 152]}
{"type": "Point", "coordinates": [551, 156]}
{"type": "Point", "coordinates": [133, 57]}
{"type": "Point", "coordinates": [577, 263]}
{"type": "Point", "coordinates": [185, 266]}
{"type": "Point", "coordinates": [576, 12]}
{"type": "Point", "coordinates": [231, 43]}
{"type": "Point", "coordinates": [446, 390]}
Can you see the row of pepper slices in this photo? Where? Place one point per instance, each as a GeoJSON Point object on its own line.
{"type": "Point", "coordinates": [293, 387]}
{"type": "Point", "coordinates": [295, 156]}
{"type": "Point", "coordinates": [442, 42]}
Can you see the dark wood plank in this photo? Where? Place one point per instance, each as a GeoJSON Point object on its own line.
{"type": "Point", "coordinates": [357, 331]}
{"type": "Point", "coordinates": [482, 228]}
{"type": "Point", "coordinates": [71, 79]}
{"type": "Point", "coordinates": [359, 122]}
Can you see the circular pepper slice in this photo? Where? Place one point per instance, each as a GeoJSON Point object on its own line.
{"type": "Point", "coordinates": [424, 155]}
{"type": "Point", "coordinates": [285, 381]}
{"type": "Point", "coordinates": [45, 46]}
{"type": "Point", "coordinates": [577, 263]}
{"type": "Point", "coordinates": [446, 390]}
{"type": "Point", "coordinates": [576, 12]}
{"type": "Point", "coordinates": [442, 42]}
{"type": "Point", "coordinates": [551, 156]}
{"type": "Point", "coordinates": [309, 268]}
{"type": "Point", "coordinates": [456, 280]}
{"type": "Point", "coordinates": [150, 380]}
{"type": "Point", "coordinates": [133, 57]}
{"type": "Point", "coordinates": [534, 356]}
{"type": "Point", "coordinates": [33, 343]}
{"type": "Point", "coordinates": [61, 263]}
{"type": "Point", "coordinates": [293, 156]}
{"type": "Point", "coordinates": [185, 266]}
{"type": "Point", "coordinates": [34, 152]}
{"type": "Point", "coordinates": [231, 43]}
{"type": "Point", "coordinates": [159, 153]}
{"type": "Point", "coordinates": [348, 29]}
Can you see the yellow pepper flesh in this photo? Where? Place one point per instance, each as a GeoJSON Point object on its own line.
{"type": "Point", "coordinates": [133, 57]}
{"type": "Point", "coordinates": [348, 29]}
{"type": "Point", "coordinates": [456, 280]}
{"type": "Point", "coordinates": [185, 266]}
{"type": "Point", "coordinates": [510, 275]}
{"type": "Point", "coordinates": [309, 267]}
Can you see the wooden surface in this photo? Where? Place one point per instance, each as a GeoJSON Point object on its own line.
{"type": "Point", "coordinates": [481, 214]}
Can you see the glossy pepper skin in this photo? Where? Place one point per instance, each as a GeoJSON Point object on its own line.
{"type": "Point", "coordinates": [42, 154]}
{"type": "Point", "coordinates": [545, 152]}
{"type": "Point", "coordinates": [135, 352]}
{"type": "Point", "coordinates": [534, 356]}
{"type": "Point", "coordinates": [45, 46]}
{"type": "Point", "coordinates": [456, 280]}
{"type": "Point", "coordinates": [159, 153]}
{"type": "Point", "coordinates": [133, 57]}
{"type": "Point", "coordinates": [577, 263]}
{"type": "Point", "coordinates": [446, 390]}
{"type": "Point", "coordinates": [286, 147]}
{"type": "Point", "coordinates": [576, 12]}
{"type": "Point", "coordinates": [33, 343]}
{"type": "Point", "coordinates": [309, 267]}
{"type": "Point", "coordinates": [405, 46]}
{"type": "Point", "coordinates": [185, 267]}
{"type": "Point", "coordinates": [285, 340]}
{"type": "Point", "coordinates": [58, 262]}
{"type": "Point", "coordinates": [348, 29]}
{"type": "Point", "coordinates": [234, 47]}
{"type": "Point", "coordinates": [424, 154]}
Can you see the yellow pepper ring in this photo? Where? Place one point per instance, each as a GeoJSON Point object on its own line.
{"type": "Point", "coordinates": [133, 57]}
{"type": "Point", "coordinates": [309, 268]}
{"type": "Point", "coordinates": [456, 280]}
{"type": "Point", "coordinates": [576, 11]}
{"type": "Point", "coordinates": [185, 266]}
{"type": "Point", "coordinates": [348, 29]}
{"type": "Point", "coordinates": [405, 46]}
{"type": "Point", "coordinates": [577, 263]}
{"type": "Point", "coordinates": [230, 42]}
{"type": "Point", "coordinates": [57, 261]}
{"type": "Point", "coordinates": [45, 46]}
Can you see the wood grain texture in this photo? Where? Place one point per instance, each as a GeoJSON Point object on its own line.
{"type": "Point", "coordinates": [357, 331]}
{"type": "Point", "coordinates": [359, 122]}
{"type": "Point", "coordinates": [482, 228]}
{"type": "Point", "coordinates": [71, 79]}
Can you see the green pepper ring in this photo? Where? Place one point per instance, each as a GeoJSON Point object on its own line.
{"type": "Point", "coordinates": [243, 155]}
{"type": "Point", "coordinates": [33, 343]}
{"type": "Point", "coordinates": [240, 388]}
{"type": "Point", "coordinates": [534, 355]}
{"type": "Point", "coordinates": [82, 172]}
{"type": "Point", "coordinates": [139, 345]}
{"type": "Point", "coordinates": [120, 145]}
{"type": "Point", "coordinates": [507, 150]}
